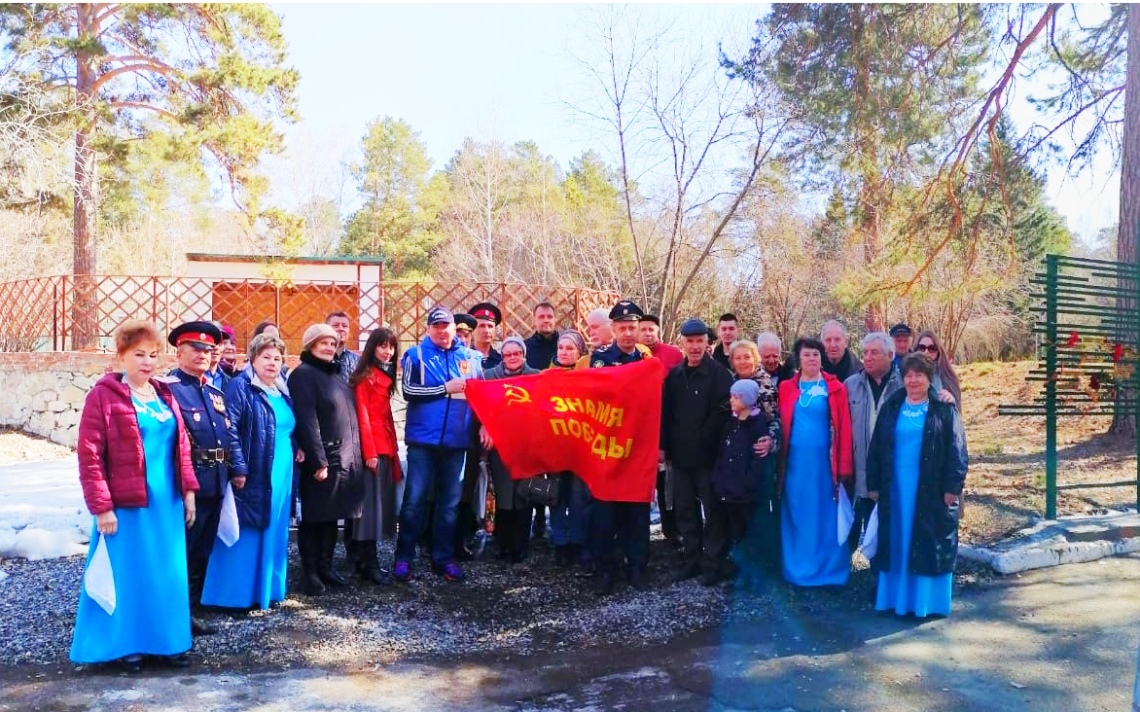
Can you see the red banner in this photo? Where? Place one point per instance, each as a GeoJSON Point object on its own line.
{"type": "Point", "coordinates": [602, 424]}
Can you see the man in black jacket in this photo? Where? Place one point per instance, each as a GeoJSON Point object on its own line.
{"type": "Point", "coordinates": [837, 358]}
{"type": "Point", "coordinates": [694, 408]}
{"type": "Point", "coordinates": [542, 345]}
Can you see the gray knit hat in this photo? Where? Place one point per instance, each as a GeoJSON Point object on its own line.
{"type": "Point", "coordinates": [514, 340]}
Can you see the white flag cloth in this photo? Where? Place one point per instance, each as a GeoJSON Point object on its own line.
{"type": "Point", "coordinates": [99, 579]}
{"type": "Point", "coordinates": [845, 516]}
{"type": "Point", "coordinates": [228, 528]}
{"type": "Point", "coordinates": [870, 544]}
{"type": "Point", "coordinates": [481, 484]}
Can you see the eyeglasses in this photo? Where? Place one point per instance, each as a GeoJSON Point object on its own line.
{"type": "Point", "coordinates": [927, 347]}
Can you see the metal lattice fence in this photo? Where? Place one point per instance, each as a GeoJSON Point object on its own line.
{"type": "Point", "coordinates": [1088, 322]}
{"type": "Point", "coordinates": [40, 315]}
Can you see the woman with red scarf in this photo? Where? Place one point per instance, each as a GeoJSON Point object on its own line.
{"type": "Point", "coordinates": [374, 382]}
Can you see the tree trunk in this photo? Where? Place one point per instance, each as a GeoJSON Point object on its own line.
{"type": "Point", "coordinates": [1128, 237]}
{"type": "Point", "coordinates": [84, 306]}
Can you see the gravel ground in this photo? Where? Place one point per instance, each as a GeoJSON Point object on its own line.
{"type": "Point", "coordinates": [530, 608]}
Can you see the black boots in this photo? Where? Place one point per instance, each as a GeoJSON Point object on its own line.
{"type": "Point", "coordinates": [309, 545]}
{"type": "Point", "coordinates": [368, 564]}
{"type": "Point", "coordinates": [325, 570]}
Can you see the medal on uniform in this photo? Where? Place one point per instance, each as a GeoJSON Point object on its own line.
{"type": "Point", "coordinates": [219, 402]}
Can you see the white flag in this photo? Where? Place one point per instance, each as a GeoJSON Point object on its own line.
{"type": "Point", "coordinates": [228, 528]}
{"type": "Point", "coordinates": [845, 516]}
{"type": "Point", "coordinates": [870, 544]}
{"type": "Point", "coordinates": [99, 579]}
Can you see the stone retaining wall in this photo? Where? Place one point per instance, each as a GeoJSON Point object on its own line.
{"type": "Point", "coordinates": [43, 393]}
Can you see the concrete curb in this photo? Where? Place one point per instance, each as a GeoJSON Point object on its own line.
{"type": "Point", "coordinates": [1067, 540]}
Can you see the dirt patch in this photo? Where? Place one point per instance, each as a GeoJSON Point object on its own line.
{"type": "Point", "coordinates": [1006, 485]}
{"type": "Point", "coordinates": [17, 446]}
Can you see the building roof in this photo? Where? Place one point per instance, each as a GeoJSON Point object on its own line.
{"type": "Point", "coordinates": [205, 257]}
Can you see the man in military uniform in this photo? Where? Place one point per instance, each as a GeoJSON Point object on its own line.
{"type": "Point", "coordinates": [464, 326]}
{"type": "Point", "coordinates": [618, 528]}
{"type": "Point", "coordinates": [487, 320]}
{"type": "Point", "coordinates": [203, 409]}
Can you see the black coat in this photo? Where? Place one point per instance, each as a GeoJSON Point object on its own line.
{"type": "Point", "coordinates": [329, 435]}
{"type": "Point", "coordinates": [694, 409]}
{"type": "Point", "coordinates": [941, 470]}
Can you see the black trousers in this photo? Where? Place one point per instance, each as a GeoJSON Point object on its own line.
{"type": "Point", "coordinates": [668, 516]}
{"type": "Point", "coordinates": [200, 542]}
{"type": "Point", "coordinates": [620, 527]}
{"type": "Point", "coordinates": [703, 538]}
{"type": "Point", "coordinates": [512, 530]}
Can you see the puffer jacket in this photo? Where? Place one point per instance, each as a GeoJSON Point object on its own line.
{"type": "Point", "coordinates": [112, 465]}
{"type": "Point", "coordinates": [436, 418]}
{"type": "Point", "coordinates": [253, 434]}
{"type": "Point", "coordinates": [942, 466]}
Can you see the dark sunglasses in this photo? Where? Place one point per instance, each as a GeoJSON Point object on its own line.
{"type": "Point", "coordinates": [927, 347]}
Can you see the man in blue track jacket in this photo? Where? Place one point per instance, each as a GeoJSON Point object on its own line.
{"type": "Point", "coordinates": [435, 374]}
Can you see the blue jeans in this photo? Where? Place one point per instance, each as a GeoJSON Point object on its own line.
{"type": "Point", "coordinates": [430, 469]}
{"type": "Point", "coordinates": [566, 519]}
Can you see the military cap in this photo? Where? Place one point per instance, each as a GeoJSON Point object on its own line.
{"type": "Point", "coordinates": [465, 322]}
{"type": "Point", "coordinates": [486, 311]}
{"type": "Point", "coordinates": [200, 334]}
{"type": "Point", "coordinates": [626, 310]}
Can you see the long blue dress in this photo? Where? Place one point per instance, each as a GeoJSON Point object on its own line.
{"type": "Point", "coordinates": [148, 558]}
{"type": "Point", "coordinates": [812, 554]}
{"type": "Point", "coordinates": [898, 588]}
{"type": "Point", "coordinates": [252, 571]}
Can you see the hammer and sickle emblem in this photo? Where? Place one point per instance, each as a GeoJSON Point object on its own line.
{"type": "Point", "coordinates": [515, 395]}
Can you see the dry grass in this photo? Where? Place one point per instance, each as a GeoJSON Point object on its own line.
{"type": "Point", "coordinates": [1006, 484]}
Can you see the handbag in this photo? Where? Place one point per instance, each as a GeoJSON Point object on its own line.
{"type": "Point", "coordinates": [538, 491]}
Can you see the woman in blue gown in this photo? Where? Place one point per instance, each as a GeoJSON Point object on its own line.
{"type": "Point", "coordinates": [817, 429]}
{"type": "Point", "coordinates": [916, 468]}
{"type": "Point", "coordinates": [137, 478]}
{"type": "Point", "coordinates": [251, 573]}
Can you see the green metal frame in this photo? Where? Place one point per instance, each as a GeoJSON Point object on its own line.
{"type": "Point", "coordinates": [1081, 297]}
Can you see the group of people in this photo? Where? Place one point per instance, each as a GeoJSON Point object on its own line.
{"type": "Point", "coordinates": [194, 477]}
